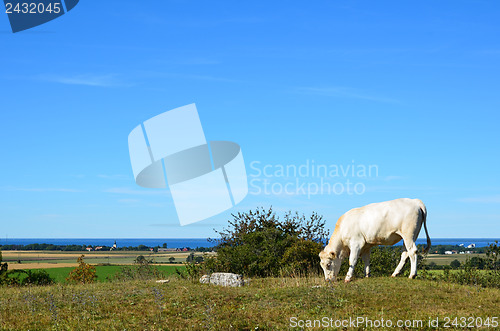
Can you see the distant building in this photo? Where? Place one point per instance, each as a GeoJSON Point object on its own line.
{"type": "Point", "coordinates": [88, 249]}
{"type": "Point", "coordinates": [472, 246]}
{"type": "Point", "coordinates": [98, 248]}
{"type": "Point", "coordinates": [448, 252]}
{"type": "Point", "coordinates": [113, 247]}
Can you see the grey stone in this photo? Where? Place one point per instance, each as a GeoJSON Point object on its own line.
{"type": "Point", "coordinates": [223, 279]}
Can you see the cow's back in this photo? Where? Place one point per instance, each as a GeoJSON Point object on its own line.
{"type": "Point", "coordinates": [382, 223]}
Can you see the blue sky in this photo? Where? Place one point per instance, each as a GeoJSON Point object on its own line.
{"type": "Point", "coordinates": [410, 88]}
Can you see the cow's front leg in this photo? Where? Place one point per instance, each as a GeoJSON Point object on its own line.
{"type": "Point", "coordinates": [353, 258]}
{"type": "Point", "coordinates": [366, 260]}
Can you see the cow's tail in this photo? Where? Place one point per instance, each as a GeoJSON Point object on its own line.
{"type": "Point", "coordinates": [424, 216]}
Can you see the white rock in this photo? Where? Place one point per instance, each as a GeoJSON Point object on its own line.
{"type": "Point", "coordinates": [224, 279]}
{"type": "Point", "coordinates": [163, 281]}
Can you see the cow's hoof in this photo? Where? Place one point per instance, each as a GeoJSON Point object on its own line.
{"type": "Point", "coordinates": [413, 277]}
{"type": "Point", "coordinates": [393, 276]}
{"type": "Point", "coordinates": [347, 281]}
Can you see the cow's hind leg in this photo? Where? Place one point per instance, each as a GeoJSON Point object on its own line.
{"type": "Point", "coordinates": [404, 256]}
{"type": "Point", "coordinates": [412, 254]}
{"type": "Point", "coordinates": [366, 260]}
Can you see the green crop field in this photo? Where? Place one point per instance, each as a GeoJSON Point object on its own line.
{"type": "Point", "coordinates": [104, 272]}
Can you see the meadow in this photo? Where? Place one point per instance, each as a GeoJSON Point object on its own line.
{"type": "Point", "coordinates": [57, 259]}
{"type": "Point", "coordinates": [266, 304]}
{"type": "Point", "coordinates": [105, 273]}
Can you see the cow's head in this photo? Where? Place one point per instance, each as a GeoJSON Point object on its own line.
{"type": "Point", "coordinates": [330, 264]}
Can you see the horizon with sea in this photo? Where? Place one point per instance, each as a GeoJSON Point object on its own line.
{"type": "Point", "coordinates": [200, 242]}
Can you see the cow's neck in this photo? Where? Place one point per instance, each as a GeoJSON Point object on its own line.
{"type": "Point", "coordinates": [335, 245]}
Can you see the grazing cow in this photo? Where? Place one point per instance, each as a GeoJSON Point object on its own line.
{"type": "Point", "coordinates": [383, 223]}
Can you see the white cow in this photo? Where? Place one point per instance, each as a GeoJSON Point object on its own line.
{"type": "Point", "coordinates": [383, 223]}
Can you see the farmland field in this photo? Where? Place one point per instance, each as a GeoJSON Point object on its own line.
{"type": "Point", "coordinates": [58, 259]}
{"type": "Point", "coordinates": [442, 259]}
{"type": "Point", "coordinates": [105, 272]}
{"type": "Point", "coordinates": [267, 303]}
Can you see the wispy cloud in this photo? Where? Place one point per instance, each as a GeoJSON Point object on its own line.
{"type": "Point", "coordinates": [483, 199]}
{"type": "Point", "coordinates": [129, 191]}
{"type": "Point", "coordinates": [188, 76]}
{"type": "Point", "coordinates": [116, 176]}
{"type": "Point", "coordinates": [345, 92]}
{"type": "Point", "coordinates": [42, 189]}
{"type": "Point", "coordinates": [106, 80]}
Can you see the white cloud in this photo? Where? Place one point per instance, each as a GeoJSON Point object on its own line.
{"type": "Point", "coordinates": [106, 80]}
{"type": "Point", "coordinates": [129, 191]}
{"type": "Point", "coordinates": [42, 189]}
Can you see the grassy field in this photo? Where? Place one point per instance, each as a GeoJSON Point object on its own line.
{"type": "Point", "coordinates": [266, 304]}
{"type": "Point", "coordinates": [58, 259]}
{"type": "Point", "coordinates": [104, 273]}
{"type": "Point", "coordinates": [442, 259]}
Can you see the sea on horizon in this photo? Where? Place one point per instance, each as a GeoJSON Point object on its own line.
{"type": "Point", "coordinates": [198, 242]}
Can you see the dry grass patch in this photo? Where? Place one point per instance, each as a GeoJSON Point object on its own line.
{"type": "Point", "coordinates": [267, 303]}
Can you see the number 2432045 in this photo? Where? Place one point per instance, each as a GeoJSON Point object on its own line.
{"type": "Point", "coordinates": [32, 8]}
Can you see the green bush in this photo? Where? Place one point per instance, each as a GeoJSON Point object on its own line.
{"type": "Point", "coordinates": [476, 271]}
{"type": "Point", "coordinates": [258, 243]}
{"type": "Point", "coordinates": [142, 270]}
{"type": "Point", "coordinates": [84, 273]}
{"type": "Point", "coordinates": [4, 279]}
{"type": "Point", "coordinates": [455, 264]}
{"type": "Point", "coordinates": [37, 277]}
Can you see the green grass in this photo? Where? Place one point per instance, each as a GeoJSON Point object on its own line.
{"type": "Point", "coordinates": [267, 304]}
{"type": "Point", "coordinates": [103, 272]}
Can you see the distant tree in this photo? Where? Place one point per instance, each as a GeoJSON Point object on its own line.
{"type": "Point", "coordinates": [141, 260]}
{"type": "Point", "coordinates": [475, 262]}
{"type": "Point", "coordinates": [432, 265]}
{"type": "Point", "coordinates": [493, 257]}
{"type": "Point", "coordinates": [198, 259]}
{"type": "Point", "coordinates": [84, 273]}
{"type": "Point", "coordinates": [455, 264]}
{"type": "Point", "coordinates": [190, 258]}
{"type": "Point", "coordinates": [164, 245]}
{"type": "Point", "coordinates": [171, 259]}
